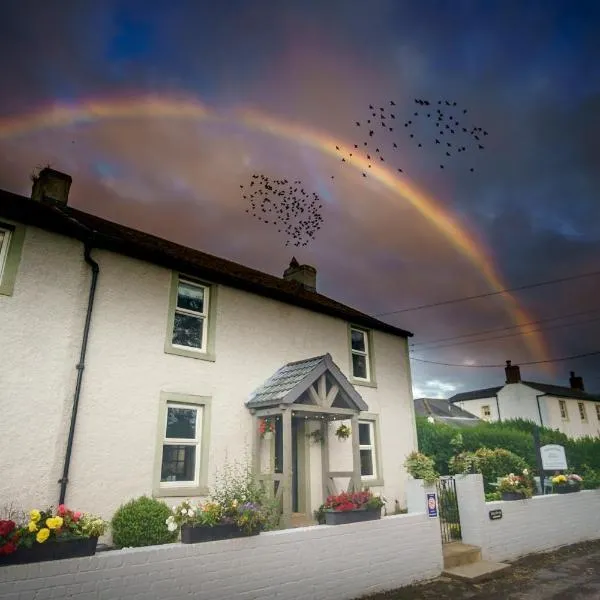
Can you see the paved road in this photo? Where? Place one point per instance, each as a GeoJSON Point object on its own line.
{"type": "Point", "coordinates": [570, 573]}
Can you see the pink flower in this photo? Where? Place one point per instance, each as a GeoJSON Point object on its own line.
{"type": "Point", "coordinates": [62, 509]}
{"type": "Point", "coordinates": [76, 516]}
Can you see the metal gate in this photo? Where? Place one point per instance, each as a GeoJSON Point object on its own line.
{"type": "Point", "coordinates": [448, 509]}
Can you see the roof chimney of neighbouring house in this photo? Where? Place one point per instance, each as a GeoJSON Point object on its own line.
{"type": "Point", "coordinates": [51, 185]}
{"type": "Point", "coordinates": [303, 274]}
{"type": "Point", "coordinates": [513, 373]}
{"type": "Point", "coordinates": [576, 382]}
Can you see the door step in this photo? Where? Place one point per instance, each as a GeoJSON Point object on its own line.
{"type": "Point", "coordinates": [477, 571]}
{"type": "Point", "coordinates": [457, 554]}
{"type": "Point", "coordinates": [301, 520]}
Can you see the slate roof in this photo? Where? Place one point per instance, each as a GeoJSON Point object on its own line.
{"type": "Point", "coordinates": [52, 216]}
{"type": "Point", "coordinates": [291, 380]}
{"type": "Point", "coordinates": [476, 394]}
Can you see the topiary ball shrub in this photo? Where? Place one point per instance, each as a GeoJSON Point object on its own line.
{"type": "Point", "coordinates": [141, 522]}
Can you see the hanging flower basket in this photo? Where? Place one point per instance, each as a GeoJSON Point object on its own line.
{"type": "Point", "coordinates": [343, 432]}
{"type": "Point", "coordinates": [266, 427]}
{"type": "Point", "coordinates": [316, 436]}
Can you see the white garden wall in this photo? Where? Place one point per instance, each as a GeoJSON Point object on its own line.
{"type": "Point", "coordinates": [538, 524]}
{"type": "Point", "coordinates": [328, 563]}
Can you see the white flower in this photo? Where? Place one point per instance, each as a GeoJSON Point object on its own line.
{"type": "Point", "coordinates": [184, 511]}
{"type": "Point", "coordinates": [525, 471]}
{"type": "Point", "coordinates": [172, 526]}
{"type": "Point", "coordinates": [190, 512]}
{"type": "Point", "coordinates": [174, 507]}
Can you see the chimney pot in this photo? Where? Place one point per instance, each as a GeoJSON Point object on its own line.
{"type": "Point", "coordinates": [576, 382]}
{"type": "Point", "coordinates": [303, 274]}
{"type": "Point", "coordinates": [51, 186]}
{"type": "Point", "coordinates": [513, 372]}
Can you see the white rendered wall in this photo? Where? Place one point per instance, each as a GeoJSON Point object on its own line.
{"type": "Point", "coordinates": [474, 407]}
{"type": "Point", "coordinates": [325, 563]}
{"type": "Point", "coordinates": [126, 370]}
{"type": "Point", "coordinates": [573, 426]}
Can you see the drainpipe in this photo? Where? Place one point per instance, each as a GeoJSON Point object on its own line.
{"type": "Point", "coordinates": [537, 397]}
{"type": "Point", "coordinates": [80, 366]}
{"type": "Point", "coordinates": [498, 407]}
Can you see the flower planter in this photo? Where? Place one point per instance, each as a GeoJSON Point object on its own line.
{"type": "Point", "coordinates": [194, 534]}
{"type": "Point", "coordinates": [54, 550]}
{"type": "Point", "coordinates": [566, 489]}
{"type": "Point", "coordinates": [267, 436]}
{"type": "Point", "coordinates": [339, 517]}
{"type": "Point", "coordinates": [513, 496]}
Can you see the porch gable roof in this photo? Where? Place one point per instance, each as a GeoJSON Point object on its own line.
{"type": "Point", "coordinates": [289, 382]}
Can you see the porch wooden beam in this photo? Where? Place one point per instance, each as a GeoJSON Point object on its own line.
{"type": "Point", "coordinates": [272, 411]}
{"type": "Point", "coordinates": [286, 480]}
{"type": "Point", "coordinates": [314, 396]}
{"type": "Point", "coordinates": [325, 460]}
{"type": "Point", "coordinates": [341, 474]}
{"type": "Point", "coordinates": [298, 408]}
{"type": "Point", "coordinates": [355, 453]}
{"type": "Point", "coordinates": [332, 395]}
{"type": "Point", "coordinates": [322, 389]}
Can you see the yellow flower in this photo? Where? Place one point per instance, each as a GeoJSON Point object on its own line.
{"type": "Point", "coordinates": [54, 522]}
{"type": "Point", "coordinates": [42, 535]}
{"type": "Point", "coordinates": [35, 516]}
{"type": "Point", "coordinates": [32, 526]}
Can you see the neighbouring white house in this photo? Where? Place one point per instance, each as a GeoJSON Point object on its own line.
{"type": "Point", "coordinates": [571, 410]}
{"type": "Point", "coordinates": [440, 410]}
{"type": "Point", "coordinates": [132, 365]}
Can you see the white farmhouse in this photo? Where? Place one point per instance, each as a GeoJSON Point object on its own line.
{"type": "Point", "coordinates": [571, 410]}
{"type": "Point", "coordinates": [132, 365]}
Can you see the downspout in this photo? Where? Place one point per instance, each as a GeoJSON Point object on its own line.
{"type": "Point", "coordinates": [537, 397]}
{"type": "Point", "coordinates": [80, 367]}
{"type": "Point", "coordinates": [498, 407]}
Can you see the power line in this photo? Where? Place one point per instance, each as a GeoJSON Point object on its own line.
{"type": "Point", "coordinates": [508, 335]}
{"type": "Point", "coordinates": [537, 362]}
{"type": "Point", "coordinates": [487, 294]}
{"type": "Point", "coordinates": [498, 329]}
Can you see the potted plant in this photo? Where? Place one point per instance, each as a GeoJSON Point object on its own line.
{"type": "Point", "coordinates": [343, 432]}
{"type": "Point", "coordinates": [352, 508]}
{"type": "Point", "coordinates": [50, 535]}
{"type": "Point", "coordinates": [266, 428]}
{"type": "Point", "coordinates": [515, 487]}
{"type": "Point", "coordinates": [316, 436]}
{"type": "Point", "coordinates": [566, 484]}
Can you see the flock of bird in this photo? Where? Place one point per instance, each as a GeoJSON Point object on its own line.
{"type": "Point", "coordinates": [440, 125]}
{"type": "Point", "coordinates": [285, 205]}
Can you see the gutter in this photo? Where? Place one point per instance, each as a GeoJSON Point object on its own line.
{"type": "Point", "coordinates": [537, 397]}
{"type": "Point", "coordinates": [498, 407]}
{"type": "Point", "coordinates": [79, 367]}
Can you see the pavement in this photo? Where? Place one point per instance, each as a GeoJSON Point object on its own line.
{"type": "Point", "coordinates": [569, 573]}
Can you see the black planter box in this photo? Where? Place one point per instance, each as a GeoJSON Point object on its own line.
{"type": "Point", "coordinates": [566, 489]}
{"type": "Point", "coordinates": [337, 517]}
{"type": "Point", "coordinates": [194, 534]}
{"type": "Point", "coordinates": [52, 550]}
{"type": "Point", "coordinates": [513, 496]}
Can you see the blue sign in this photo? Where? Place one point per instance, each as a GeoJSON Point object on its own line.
{"type": "Point", "coordinates": [432, 508]}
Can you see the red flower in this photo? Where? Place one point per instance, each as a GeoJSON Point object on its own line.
{"type": "Point", "coordinates": [8, 548]}
{"type": "Point", "coordinates": [7, 527]}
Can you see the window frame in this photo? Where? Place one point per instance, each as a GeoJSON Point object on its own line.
{"type": "Point", "coordinates": [375, 480]}
{"type": "Point", "coordinates": [370, 381]}
{"type": "Point", "coordinates": [207, 352]}
{"type": "Point", "coordinates": [489, 408]}
{"type": "Point", "coordinates": [564, 414]}
{"type": "Point", "coordinates": [199, 487]}
{"type": "Point", "coordinates": [10, 255]}
{"type": "Point", "coordinates": [582, 411]}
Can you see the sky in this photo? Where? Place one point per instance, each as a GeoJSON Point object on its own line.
{"type": "Point", "coordinates": [161, 110]}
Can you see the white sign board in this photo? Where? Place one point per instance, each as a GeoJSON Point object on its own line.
{"type": "Point", "coordinates": [553, 457]}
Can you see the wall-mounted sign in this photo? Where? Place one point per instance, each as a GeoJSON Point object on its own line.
{"type": "Point", "coordinates": [553, 457]}
{"type": "Point", "coordinates": [495, 514]}
{"type": "Point", "coordinates": [432, 509]}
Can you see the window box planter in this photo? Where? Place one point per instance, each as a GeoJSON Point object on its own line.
{"type": "Point", "coordinates": [194, 534]}
{"type": "Point", "coordinates": [341, 517]}
{"type": "Point", "coordinates": [513, 496]}
{"type": "Point", "coordinates": [566, 489]}
{"type": "Point", "coordinates": [54, 550]}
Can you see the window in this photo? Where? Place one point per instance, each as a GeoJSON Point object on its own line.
{"type": "Point", "coordinates": [182, 451]}
{"type": "Point", "coordinates": [11, 244]}
{"type": "Point", "coordinates": [563, 410]}
{"type": "Point", "coordinates": [361, 357]}
{"type": "Point", "coordinates": [486, 412]}
{"type": "Point", "coordinates": [598, 411]}
{"type": "Point", "coordinates": [582, 412]}
{"type": "Point", "coordinates": [191, 318]}
{"type": "Point", "coordinates": [371, 471]}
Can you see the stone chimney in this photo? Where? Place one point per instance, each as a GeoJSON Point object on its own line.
{"type": "Point", "coordinates": [513, 373]}
{"type": "Point", "coordinates": [304, 274]}
{"type": "Point", "coordinates": [51, 185]}
{"type": "Point", "coordinates": [576, 382]}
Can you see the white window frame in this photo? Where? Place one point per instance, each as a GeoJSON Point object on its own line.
{"type": "Point", "coordinates": [564, 413]}
{"type": "Point", "coordinates": [582, 411]}
{"type": "Point", "coordinates": [196, 442]}
{"type": "Point", "coordinates": [366, 353]}
{"type": "Point", "coordinates": [372, 447]}
{"type": "Point", "coordinates": [184, 311]}
{"type": "Point", "coordinates": [4, 245]}
{"type": "Point", "coordinates": [483, 411]}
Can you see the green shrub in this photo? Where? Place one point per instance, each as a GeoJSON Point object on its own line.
{"type": "Point", "coordinates": [493, 496]}
{"type": "Point", "coordinates": [421, 467]}
{"type": "Point", "coordinates": [141, 522]}
{"type": "Point", "coordinates": [492, 464]}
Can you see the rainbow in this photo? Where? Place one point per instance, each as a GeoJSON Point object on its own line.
{"type": "Point", "coordinates": [184, 107]}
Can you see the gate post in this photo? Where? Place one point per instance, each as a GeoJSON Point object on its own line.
{"type": "Point", "coordinates": [416, 491]}
{"type": "Point", "coordinates": [471, 508]}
